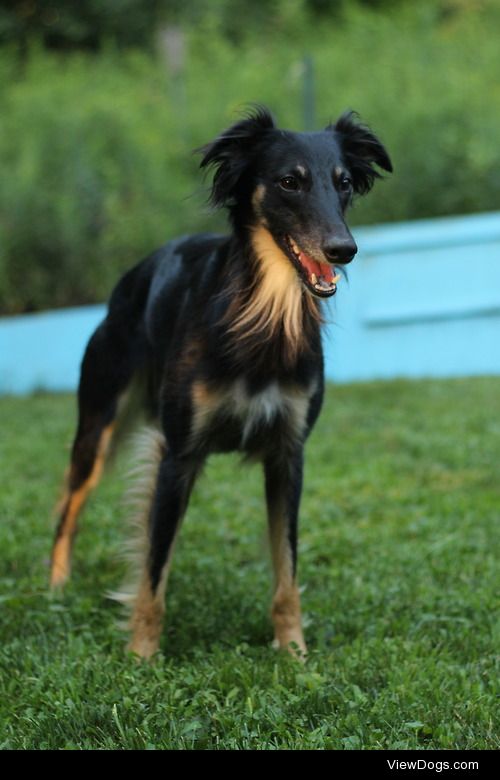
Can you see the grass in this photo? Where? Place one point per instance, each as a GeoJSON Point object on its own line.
{"type": "Point", "coordinates": [398, 563]}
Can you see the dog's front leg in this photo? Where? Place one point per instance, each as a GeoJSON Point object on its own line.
{"type": "Point", "coordinates": [174, 482]}
{"type": "Point", "coordinates": [283, 477]}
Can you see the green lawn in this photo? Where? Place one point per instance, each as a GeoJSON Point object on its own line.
{"type": "Point", "coordinates": [398, 560]}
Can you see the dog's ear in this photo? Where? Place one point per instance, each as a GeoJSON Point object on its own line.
{"type": "Point", "coordinates": [232, 151]}
{"type": "Point", "coordinates": [361, 149]}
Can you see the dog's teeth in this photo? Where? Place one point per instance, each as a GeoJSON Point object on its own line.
{"type": "Point", "coordinates": [314, 279]}
{"type": "Point", "coordinates": [335, 279]}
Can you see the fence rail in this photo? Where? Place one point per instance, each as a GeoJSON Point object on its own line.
{"type": "Point", "coordinates": [422, 299]}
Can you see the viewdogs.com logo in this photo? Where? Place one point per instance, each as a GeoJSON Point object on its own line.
{"type": "Point", "coordinates": [436, 766]}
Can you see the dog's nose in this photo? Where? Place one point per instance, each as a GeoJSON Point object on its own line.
{"type": "Point", "coordinates": [340, 250]}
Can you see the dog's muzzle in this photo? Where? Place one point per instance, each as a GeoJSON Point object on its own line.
{"type": "Point", "coordinates": [319, 277]}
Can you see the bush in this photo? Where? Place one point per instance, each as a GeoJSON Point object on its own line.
{"type": "Point", "coordinates": [94, 173]}
{"type": "Point", "coordinates": [95, 152]}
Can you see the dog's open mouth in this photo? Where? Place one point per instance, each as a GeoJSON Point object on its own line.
{"type": "Point", "coordinates": [319, 278]}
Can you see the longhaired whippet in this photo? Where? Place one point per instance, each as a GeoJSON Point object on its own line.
{"type": "Point", "coordinates": [225, 331]}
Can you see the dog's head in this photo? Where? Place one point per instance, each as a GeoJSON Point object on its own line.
{"type": "Point", "coordinates": [296, 188]}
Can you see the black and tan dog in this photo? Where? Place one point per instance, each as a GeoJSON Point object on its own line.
{"type": "Point", "coordinates": [225, 331]}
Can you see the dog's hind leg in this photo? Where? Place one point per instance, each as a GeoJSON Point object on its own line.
{"type": "Point", "coordinates": [283, 489]}
{"type": "Point", "coordinates": [175, 479]}
{"type": "Point", "coordinates": [106, 371]}
{"type": "Point", "coordinates": [88, 456]}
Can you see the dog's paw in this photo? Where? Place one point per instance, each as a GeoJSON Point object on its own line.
{"type": "Point", "coordinates": [296, 647]}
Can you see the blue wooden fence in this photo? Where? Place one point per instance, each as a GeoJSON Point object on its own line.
{"type": "Point", "coordinates": [422, 300]}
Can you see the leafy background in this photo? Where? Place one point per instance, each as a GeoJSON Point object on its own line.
{"type": "Point", "coordinates": [98, 119]}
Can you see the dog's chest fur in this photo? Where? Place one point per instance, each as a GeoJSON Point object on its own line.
{"type": "Point", "coordinates": [233, 417]}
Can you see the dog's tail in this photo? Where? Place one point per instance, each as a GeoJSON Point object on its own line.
{"type": "Point", "coordinates": [148, 449]}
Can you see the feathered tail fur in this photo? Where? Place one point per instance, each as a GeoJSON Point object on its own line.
{"type": "Point", "coordinates": [148, 449]}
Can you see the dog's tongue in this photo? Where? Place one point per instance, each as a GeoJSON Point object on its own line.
{"type": "Point", "coordinates": [322, 271]}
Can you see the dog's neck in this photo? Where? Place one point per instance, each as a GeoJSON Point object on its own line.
{"type": "Point", "coordinates": [275, 307]}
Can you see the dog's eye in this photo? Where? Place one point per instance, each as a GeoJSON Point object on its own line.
{"type": "Point", "coordinates": [345, 183]}
{"type": "Point", "coordinates": [289, 183]}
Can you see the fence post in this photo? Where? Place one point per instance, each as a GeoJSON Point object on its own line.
{"type": "Point", "coordinates": [308, 101]}
{"type": "Point", "coordinates": [172, 45]}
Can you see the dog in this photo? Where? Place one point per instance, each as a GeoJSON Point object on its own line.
{"type": "Point", "coordinates": [224, 331]}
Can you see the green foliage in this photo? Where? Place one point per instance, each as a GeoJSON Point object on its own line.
{"type": "Point", "coordinates": [60, 24]}
{"type": "Point", "coordinates": [94, 176]}
{"type": "Point", "coordinates": [88, 24]}
{"type": "Point", "coordinates": [398, 561]}
{"type": "Point", "coordinates": [95, 152]}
